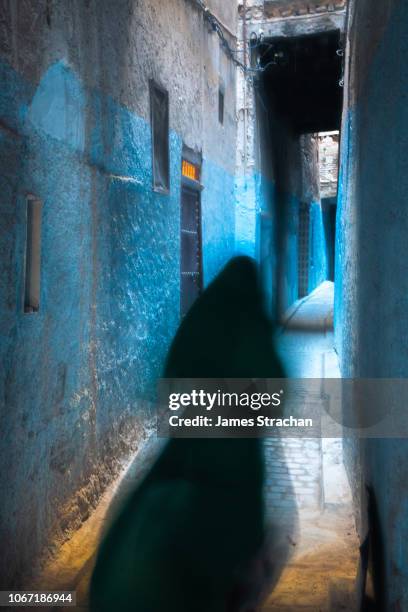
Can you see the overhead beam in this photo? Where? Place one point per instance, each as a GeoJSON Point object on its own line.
{"type": "Point", "coordinates": [300, 25]}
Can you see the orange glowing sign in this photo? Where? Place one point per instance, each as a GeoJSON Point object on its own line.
{"type": "Point", "coordinates": [190, 170]}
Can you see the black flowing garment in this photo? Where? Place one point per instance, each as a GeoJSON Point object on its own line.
{"type": "Point", "coordinates": [190, 538]}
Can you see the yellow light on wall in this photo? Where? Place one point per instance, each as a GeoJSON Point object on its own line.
{"type": "Point", "coordinates": [190, 170]}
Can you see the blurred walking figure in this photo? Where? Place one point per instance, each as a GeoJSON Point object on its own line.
{"type": "Point", "coordinates": [192, 536]}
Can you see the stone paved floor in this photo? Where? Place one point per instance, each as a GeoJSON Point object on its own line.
{"type": "Point", "coordinates": [315, 516]}
{"type": "Point", "coordinates": [294, 465]}
{"type": "Point", "coordinates": [294, 471]}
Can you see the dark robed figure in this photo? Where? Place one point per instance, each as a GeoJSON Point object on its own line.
{"type": "Point", "coordinates": [191, 538]}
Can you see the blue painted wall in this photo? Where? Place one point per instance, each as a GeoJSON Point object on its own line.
{"type": "Point", "coordinates": [345, 296]}
{"type": "Point", "coordinates": [258, 206]}
{"type": "Point", "coordinates": [255, 228]}
{"type": "Point", "coordinates": [318, 247]}
{"type": "Point", "coordinates": [77, 374]}
{"type": "Point", "coordinates": [254, 196]}
{"type": "Point", "coordinates": [218, 218]}
{"type": "Point", "coordinates": [266, 242]}
{"type": "Point", "coordinates": [372, 268]}
{"type": "Point", "coordinates": [289, 288]}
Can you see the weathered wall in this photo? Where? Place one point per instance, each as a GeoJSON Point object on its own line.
{"type": "Point", "coordinates": [74, 131]}
{"type": "Point", "coordinates": [280, 18]}
{"type": "Point", "coordinates": [226, 12]}
{"type": "Point", "coordinates": [328, 163]}
{"type": "Point", "coordinates": [277, 170]}
{"type": "Point", "coordinates": [372, 271]}
{"type": "Point", "coordinates": [217, 144]}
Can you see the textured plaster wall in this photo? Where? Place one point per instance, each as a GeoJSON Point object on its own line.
{"type": "Point", "coordinates": [290, 18]}
{"type": "Point", "coordinates": [77, 377]}
{"type": "Point", "coordinates": [254, 194]}
{"type": "Point", "coordinates": [256, 227]}
{"type": "Point", "coordinates": [218, 218]}
{"type": "Point", "coordinates": [372, 273]}
{"type": "Point", "coordinates": [226, 11]}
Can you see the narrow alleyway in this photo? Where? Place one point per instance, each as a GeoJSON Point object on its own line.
{"type": "Point", "coordinates": [145, 144]}
{"type": "Point", "coordinates": [321, 573]}
{"type": "Point", "coordinates": [307, 494]}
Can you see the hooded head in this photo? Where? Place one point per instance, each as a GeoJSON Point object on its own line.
{"type": "Point", "coordinates": [226, 333]}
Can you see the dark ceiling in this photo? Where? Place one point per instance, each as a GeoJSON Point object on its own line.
{"type": "Point", "coordinates": [302, 80]}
